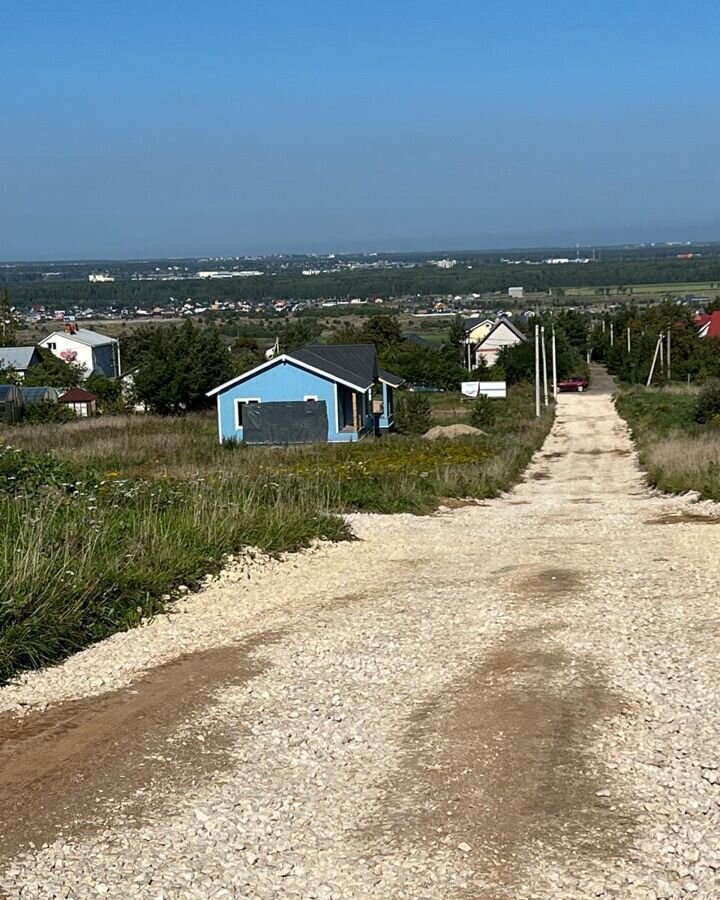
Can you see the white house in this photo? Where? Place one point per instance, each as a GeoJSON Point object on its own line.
{"type": "Point", "coordinates": [97, 353]}
{"type": "Point", "coordinates": [502, 334]}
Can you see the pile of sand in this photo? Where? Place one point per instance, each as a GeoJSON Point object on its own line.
{"type": "Point", "coordinates": [450, 431]}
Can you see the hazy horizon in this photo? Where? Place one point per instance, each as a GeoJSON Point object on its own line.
{"type": "Point", "coordinates": [174, 131]}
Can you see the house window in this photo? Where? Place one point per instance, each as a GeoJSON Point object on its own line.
{"type": "Point", "coordinates": [311, 397]}
{"type": "Point", "coordinates": [239, 403]}
{"type": "Point", "coordinates": [52, 346]}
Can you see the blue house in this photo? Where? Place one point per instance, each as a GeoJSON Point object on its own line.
{"type": "Point", "coordinates": [317, 393]}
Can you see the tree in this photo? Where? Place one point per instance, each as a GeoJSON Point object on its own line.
{"type": "Point", "coordinates": [54, 372]}
{"type": "Point", "coordinates": [456, 334]}
{"type": "Point", "coordinates": [178, 366]}
{"type": "Point", "coordinates": [300, 332]}
{"type": "Point", "coordinates": [107, 390]}
{"type": "Point", "coordinates": [412, 413]}
{"type": "Point", "coordinates": [383, 331]}
{"type": "Point", "coordinates": [8, 320]}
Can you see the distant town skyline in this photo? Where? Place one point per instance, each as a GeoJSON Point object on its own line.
{"type": "Point", "coordinates": [171, 130]}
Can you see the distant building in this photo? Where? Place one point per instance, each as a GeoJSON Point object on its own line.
{"type": "Point", "coordinates": [100, 277]}
{"type": "Point", "coordinates": [516, 293]}
{"type": "Point", "coordinates": [97, 353]}
{"type": "Point", "coordinates": [444, 263]}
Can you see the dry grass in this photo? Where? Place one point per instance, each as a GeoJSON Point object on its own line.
{"type": "Point", "coordinates": [678, 454]}
{"type": "Point", "coordinates": [683, 453]}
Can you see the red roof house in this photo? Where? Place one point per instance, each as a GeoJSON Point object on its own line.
{"type": "Point", "coordinates": [83, 403]}
{"type": "Point", "coordinates": [709, 324]}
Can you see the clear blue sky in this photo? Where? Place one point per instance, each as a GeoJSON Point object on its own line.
{"type": "Point", "coordinates": [217, 127]}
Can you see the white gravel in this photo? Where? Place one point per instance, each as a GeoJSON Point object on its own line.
{"type": "Point", "coordinates": [312, 801]}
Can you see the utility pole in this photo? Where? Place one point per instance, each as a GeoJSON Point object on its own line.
{"type": "Point", "coordinates": [655, 356]}
{"type": "Point", "coordinates": [628, 339]}
{"type": "Point", "coordinates": [537, 371]}
{"type": "Point", "coordinates": [662, 352]}
{"type": "Point", "coordinates": [544, 362]}
{"type": "Point", "coordinates": [554, 365]}
{"type": "Point", "coordinates": [612, 334]}
{"type": "Point", "coordinates": [669, 372]}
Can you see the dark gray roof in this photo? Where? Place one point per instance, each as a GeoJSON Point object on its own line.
{"type": "Point", "coordinates": [393, 380]}
{"type": "Point", "coordinates": [473, 322]}
{"type": "Point", "coordinates": [355, 364]}
{"type": "Point", "coordinates": [17, 357]}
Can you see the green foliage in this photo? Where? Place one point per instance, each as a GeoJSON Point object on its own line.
{"type": "Point", "coordinates": [300, 332]}
{"type": "Point", "coordinates": [10, 376]}
{"type": "Point", "coordinates": [483, 412]}
{"type": "Point", "coordinates": [456, 334]}
{"type": "Point", "coordinates": [178, 365]}
{"type": "Point", "coordinates": [383, 331]}
{"type": "Point", "coordinates": [707, 406]}
{"type": "Point", "coordinates": [678, 453]}
{"type": "Point", "coordinates": [660, 411]}
{"type": "Point", "coordinates": [21, 471]}
{"type": "Point", "coordinates": [487, 274]}
{"type": "Point", "coordinates": [8, 320]}
{"type": "Point", "coordinates": [93, 552]}
{"type": "Point", "coordinates": [412, 413]}
{"type": "Point", "coordinates": [692, 358]}
{"type": "Point", "coordinates": [46, 412]}
{"type": "Point", "coordinates": [54, 372]}
{"type": "Point", "coordinates": [519, 361]}
{"type": "Point", "coordinates": [107, 390]}
{"type": "Point", "coordinates": [424, 365]}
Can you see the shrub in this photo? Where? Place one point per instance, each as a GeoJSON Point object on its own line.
{"type": "Point", "coordinates": [412, 413]}
{"type": "Point", "coordinates": [47, 411]}
{"type": "Point", "coordinates": [483, 412]}
{"type": "Point", "coordinates": [707, 406]}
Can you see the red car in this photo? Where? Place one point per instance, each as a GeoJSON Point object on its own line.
{"type": "Point", "coordinates": [574, 383]}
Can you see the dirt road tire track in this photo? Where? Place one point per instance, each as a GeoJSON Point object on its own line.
{"type": "Point", "coordinates": [509, 701]}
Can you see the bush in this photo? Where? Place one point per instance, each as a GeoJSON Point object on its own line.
{"type": "Point", "coordinates": [412, 413]}
{"type": "Point", "coordinates": [47, 411]}
{"type": "Point", "coordinates": [707, 406]}
{"type": "Point", "coordinates": [483, 412]}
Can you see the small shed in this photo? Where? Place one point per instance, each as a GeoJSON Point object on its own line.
{"type": "Point", "coordinates": [82, 403]}
{"type": "Point", "coordinates": [11, 404]}
{"type": "Point", "coordinates": [32, 396]}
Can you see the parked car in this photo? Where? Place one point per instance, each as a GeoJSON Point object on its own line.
{"type": "Point", "coordinates": [425, 389]}
{"type": "Point", "coordinates": [574, 383]}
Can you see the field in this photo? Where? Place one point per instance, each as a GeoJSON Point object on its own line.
{"type": "Point", "coordinates": [677, 453]}
{"type": "Point", "coordinates": [658, 289]}
{"type": "Point", "coordinates": [98, 532]}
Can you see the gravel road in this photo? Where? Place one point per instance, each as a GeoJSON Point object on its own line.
{"type": "Point", "coordinates": [512, 700]}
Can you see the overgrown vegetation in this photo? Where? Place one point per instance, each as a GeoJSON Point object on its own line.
{"type": "Point", "coordinates": [412, 414]}
{"type": "Point", "coordinates": [125, 509]}
{"type": "Point", "coordinates": [677, 437]}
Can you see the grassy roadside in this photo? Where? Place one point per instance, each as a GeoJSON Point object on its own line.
{"type": "Point", "coordinates": [677, 453]}
{"type": "Point", "coordinates": [123, 510]}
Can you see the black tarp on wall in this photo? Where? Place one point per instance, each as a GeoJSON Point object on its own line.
{"type": "Point", "coordinates": [300, 422]}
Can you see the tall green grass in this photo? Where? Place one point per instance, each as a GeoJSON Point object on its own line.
{"type": "Point", "coordinates": [677, 453]}
{"type": "Point", "coordinates": [122, 511]}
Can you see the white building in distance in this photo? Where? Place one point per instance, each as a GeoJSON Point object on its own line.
{"type": "Point", "coordinates": [98, 354]}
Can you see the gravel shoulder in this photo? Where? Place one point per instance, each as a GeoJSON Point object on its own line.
{"type": "Point", "coordinates": [511, 700]}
